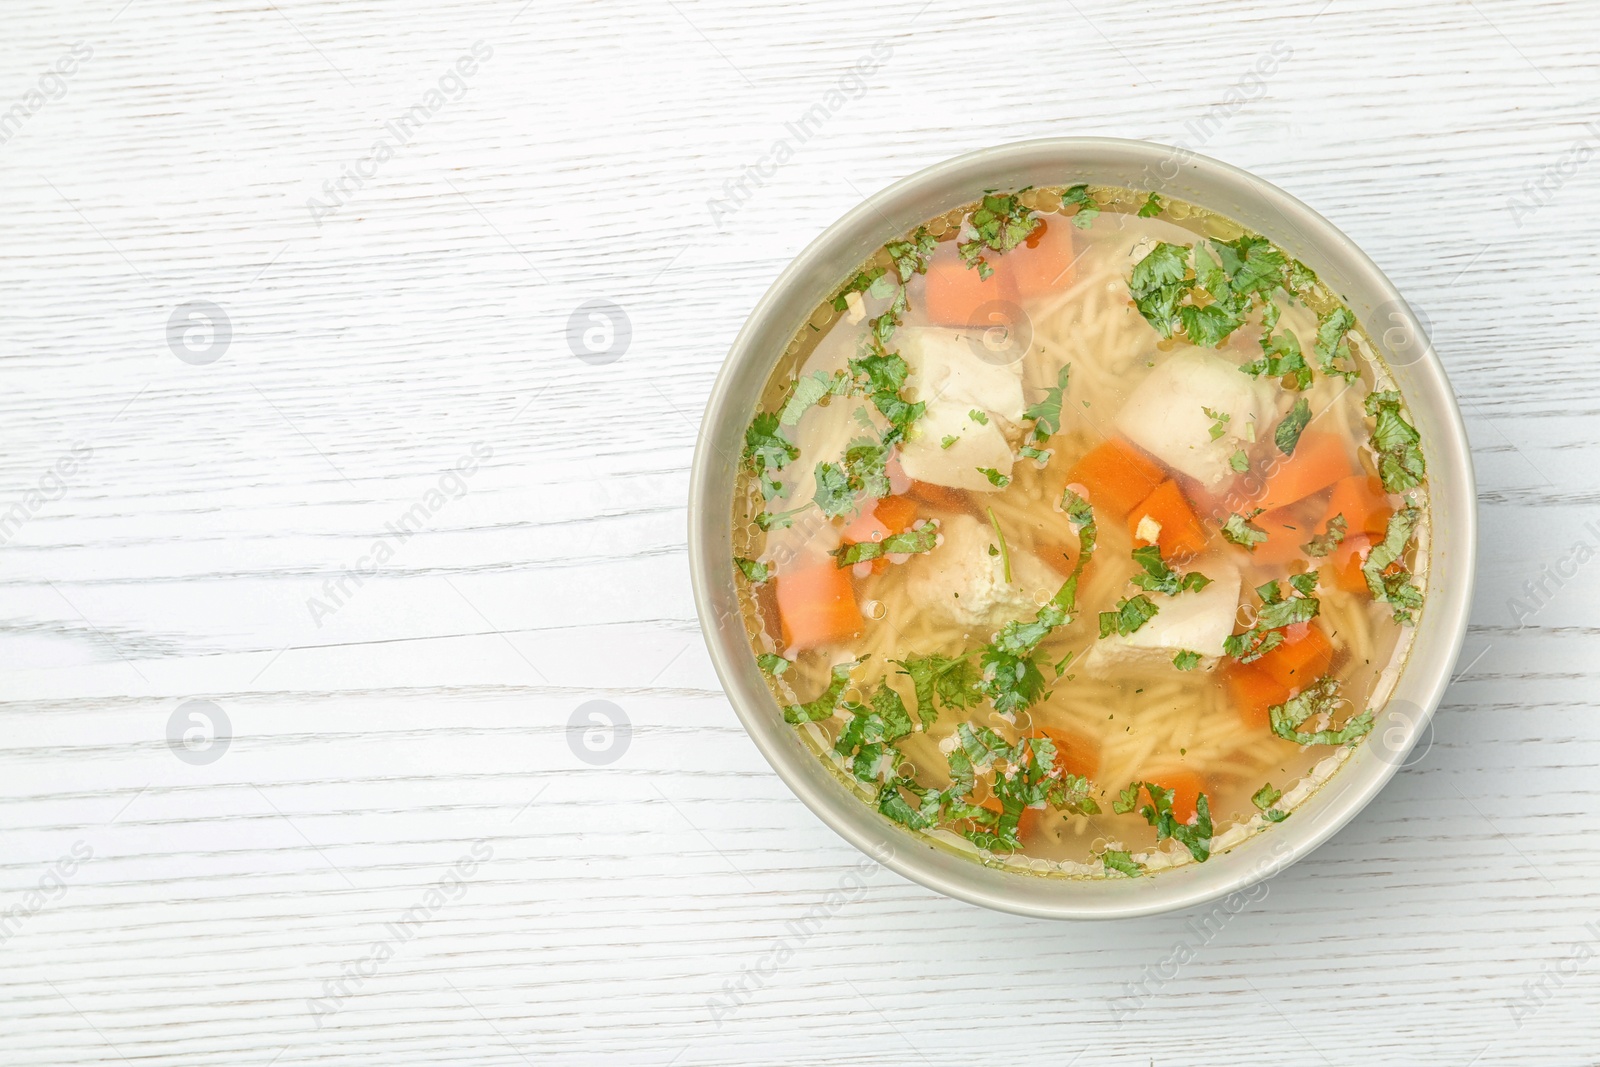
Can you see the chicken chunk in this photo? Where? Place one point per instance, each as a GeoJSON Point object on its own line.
{"type": "Point", "coordinates": [1199, 621]}
{"type": "Point", "coordinates": [953, 380]}
{"type": "Point", "coordinates": [1167, 414]}
{"type": "Point", "coordinates": [960, 580]}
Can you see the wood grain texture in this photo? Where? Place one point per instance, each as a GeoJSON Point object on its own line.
{"type": "Point", "coordinates": [678, 905]}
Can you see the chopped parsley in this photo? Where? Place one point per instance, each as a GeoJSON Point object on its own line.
{"type": "Point", "coordinates": [1151, 207]}
{"type": "Point", "coordinates": [1005, 553]}
{"type": "Point", "coordinates": [834, 495]}
{"type": "Point", "coordinates": [866, 466]}
{"type": "Point", "coordinates": [911, 257]}
{"type": "Point", "coordinates": [1324, 543]}
{"type": "Point", "coordinates": [1264, 798]}
{"type": "Point", "coordinates": [1001, 223]}
{"type": "Point", "coordinates": [1088, 207]}
{"type": "Point", "coordinates": [872, 731]}
{"type": "Point", "coordinates": [1241, 531]}
{"type": "Point", "coordinates": [921, 539]}
{"type": "Point", "coordinates": [1011, 678]}
{"type": "Point", "coordinates": [949, 439]}
{"type": "Point", "coordinates": [1160, 578]}
{"type": "Point", "coordinates": [1333, 344]}
{"type": "Point", "coordinates": [1158, 283]}
{"type": "Point", "coordinates": [1158, 813]}
{"type": "Point", "coordinates": [1387, 577]}
{"type": "Point", "coordinates": [979, 417]}
{"type": "Point", "coordinates": [767, 450]}
{"type": "Point", "coordinates": [823, 706]}
{"type": "Point", "coordinates": [1046, 414]}
{"type": "Point", "coordinates": [995, 477]}
{"type": "Point", "coordinates": [754, 571]}
{"type": "Point", "coordinates": [941, 681]}
{"type": "Point", "coordinates": [1280, 356]}
{"type": "Point", "coordinates": [1275, 613]}
{"type": "Point", "coordinates": [863, 281]}
{"type": "Point", "coordinates": [1318, 700]}
{"type": "Point", "coordinates": [1116, 859]}
{"type": "Point", "coordinates": [1239, 461]}
{"type": "Point", "coordinates": [1130, 615]}
{"type": "Point", "coordinates": [1287, 435]}
{"type": "Point", "coordinates": [1219, 422]}
{"type": "Point", "coordinates": [809, 390]}
{"type": "Point", "coordinates": [1186, 660]}
{"type": "Point", "coordinates": [880, 378]}
{"type": "Point", "coordinates": [1397, 443]}
{"type": "Point", "coordinates": [773, 664]}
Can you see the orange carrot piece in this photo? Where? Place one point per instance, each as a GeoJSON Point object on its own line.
{"type": "Point", "coordinates": [1319, 460]}
{"type": "Point", "coordinates": [890, 515]}
{"type": "Point", "coordinates": [939, 496]}
{"type": "Point", "coordinates": [817, 606]}
{"type": "Point", "coordinates": [1043, 262]}
{"type": "Point", "coordinates": [1075, 752]}
{"type": "Point", "coordinates": [1254, 693]}
{"type": "Point", "coordinates": [1117, 475]}
{"type": "Point", "coordinates": [1346, 561]}
{"type": "Point", "coordinates": [955, 292]}
{"type": "Point", "coordinates": [1286, 531]}
{"type": "Point", "coordinates": [1181, 533]}
{"type": "Point", "coordinates": [1186, 788]}
{"type": "Point", "coordinates": [1361, 500]}
{"type": "Point", "coordinates": [1304, 656]}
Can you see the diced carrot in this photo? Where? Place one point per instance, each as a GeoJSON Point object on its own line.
{"type": "Point", "coordinates": [1360, 499]}
{"type": "Point", "coordinates": [1057, 555]}
{"type": "Point", "coordinates": [955, 291]}
{"type": "Point", "coordinates": [1345, 564]}
{"type": "Point", "coordinates": [1286, 532]}
{"type": "Point", "coordinates": [1186, 788]}
{"type": "Point", "coordinates": [1303, 657]}
{"type": "Point", "coordinates": [1319, 460]}
{"type": "Point", "coordinates": [939, 496]}
{"type": "Point", "coordinates": [1254, 693]}
{"type": "Point", "coordinates": [1117, 475]}
{"type": "Point", "coordinates": [888, 515]}
{"type": "Point", "coordinates": [817, 606]}
{"type": "Point", "coordinates": [891, 515]}
{"type": "Point", "coordinates": [1075, 753]}
{"type": "Point", "coordinates": [1043, 262]}
{"type": "Point", "coordinates": [1181, 533]}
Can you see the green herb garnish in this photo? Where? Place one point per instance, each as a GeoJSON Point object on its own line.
{"type": "Point", "coordinates": [1318, 699]}
{"type": "Point", "coordinates": [1287, 436]}
{"type": "Point", "coordinates": [1397, 442]}
{"type": "Point", "coordinates": [1130, 615]}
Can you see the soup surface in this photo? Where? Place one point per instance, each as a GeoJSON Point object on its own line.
{"type": "Point", "coordinates": [1079, 532]}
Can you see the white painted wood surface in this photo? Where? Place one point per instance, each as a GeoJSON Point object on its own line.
{"type": "Point", "coordinates": [160, 911]}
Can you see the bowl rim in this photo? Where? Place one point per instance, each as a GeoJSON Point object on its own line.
{"type": "Point", "coordinates": [1344, 268]}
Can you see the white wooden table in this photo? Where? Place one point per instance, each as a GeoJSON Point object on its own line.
{"type": "Point", "coordinates": [232, 507]}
